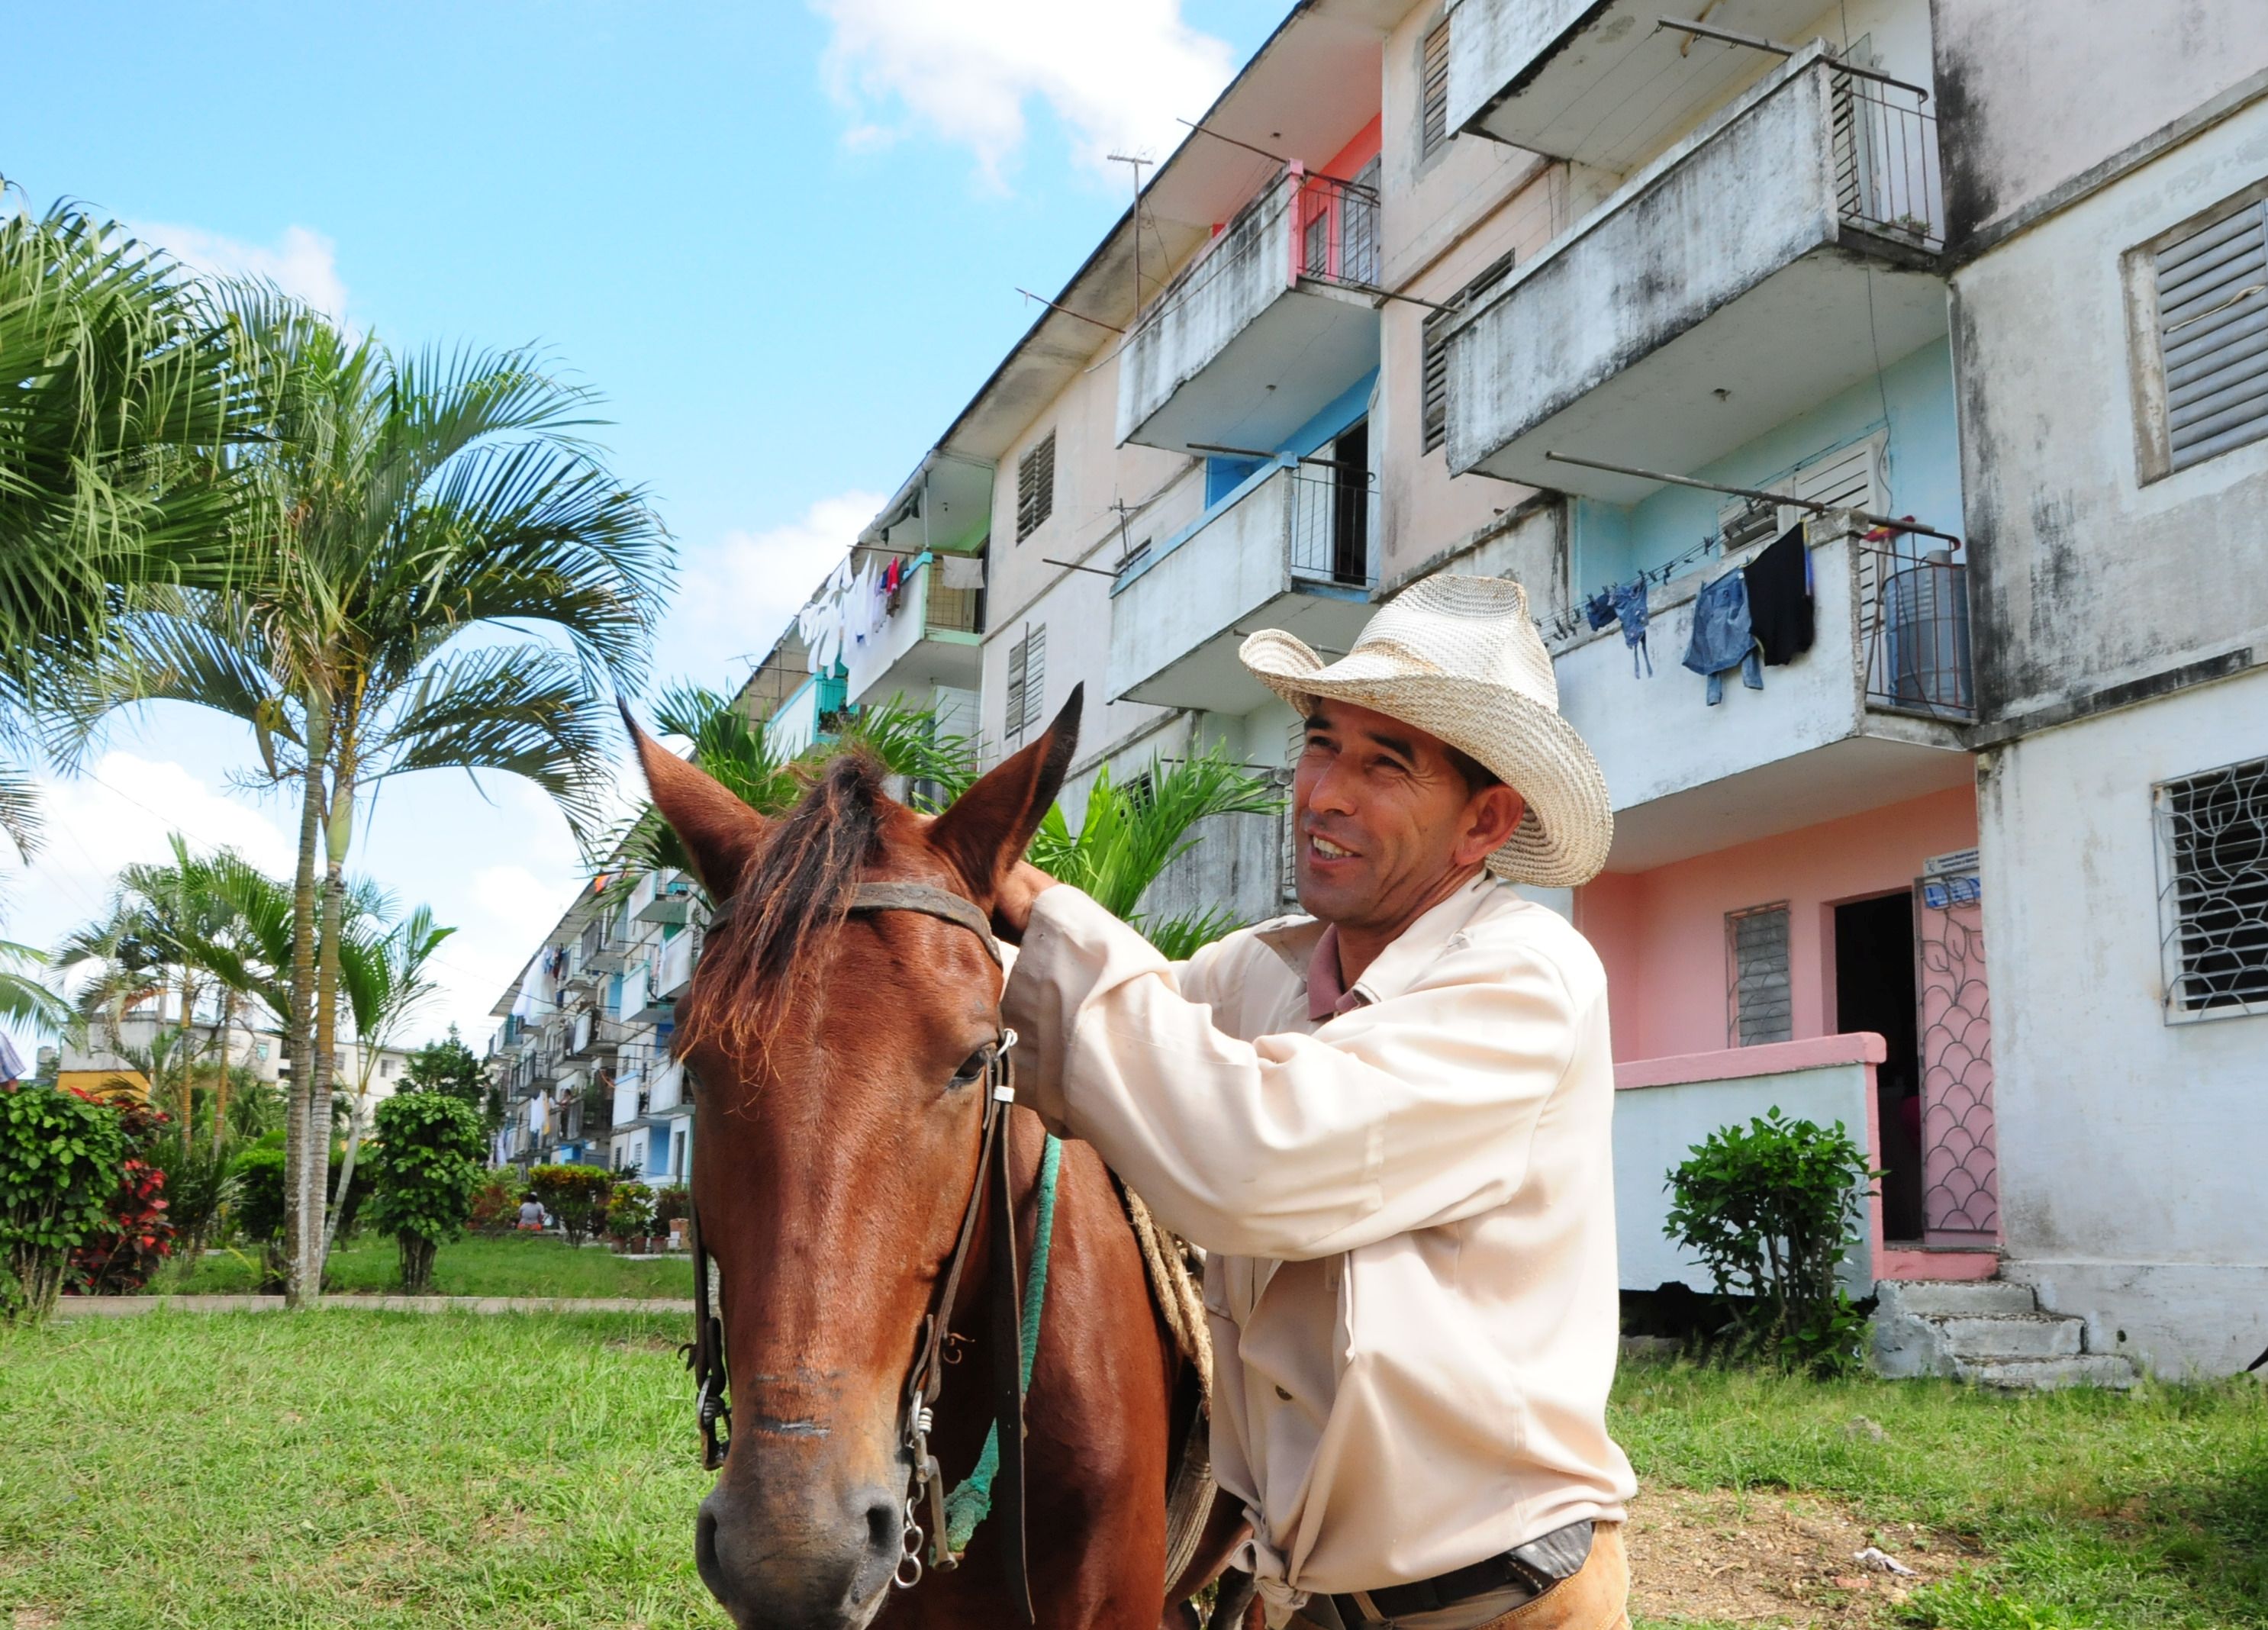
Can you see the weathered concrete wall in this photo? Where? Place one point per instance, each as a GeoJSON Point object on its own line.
{"type": "Point", "coordinates": [1228, 568]}
{"type": "Point", "coordinates": [2033, 92]}
{"type": "Point", "coordinates": [1705, 223]}
{"type": "Point", "coordinates": [2083, 576]}
{"type": "Point", "coordinates": [2132, 1150]}
{"type": "Point", "coordinates": [1232, 865]}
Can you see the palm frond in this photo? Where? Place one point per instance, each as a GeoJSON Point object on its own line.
{"type": "Point", "coordinates": [23, 1000]}
{"type": "Point", "coordinates": [1132, 832]}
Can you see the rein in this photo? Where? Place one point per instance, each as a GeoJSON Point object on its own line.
{"type": "Point", "coordinates": [999, 1472]}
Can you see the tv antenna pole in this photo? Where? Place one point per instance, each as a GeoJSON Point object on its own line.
{"type": "Point", "coordinates": [1135, 164]}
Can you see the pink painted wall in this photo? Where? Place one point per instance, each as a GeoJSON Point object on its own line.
{"type": "Point", "coordinates": [1662, 933]}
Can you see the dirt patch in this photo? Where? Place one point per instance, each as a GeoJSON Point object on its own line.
{"type": "Point", "coordinates": [1772, 1557]}
{"type": "Point", "coordinates": [36, 1618]}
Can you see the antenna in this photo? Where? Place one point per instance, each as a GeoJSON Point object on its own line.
{"type": "Point", "coordinates": [1135, 164]}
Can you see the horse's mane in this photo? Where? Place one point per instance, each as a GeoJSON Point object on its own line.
{"type": "Point", "coordinates": [791, 899]}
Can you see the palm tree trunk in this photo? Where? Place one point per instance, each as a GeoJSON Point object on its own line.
{"type": "Point", "coordinates": [220, 1081]}
{"type": "Point", "coordinates": [183, 1054]}
{"type": "Point", "coordinates": [338, 833]}
{"type": "Point", "coordinates": [300, 1213]}
{"type": "Point", "coordinates": [358, 1117]}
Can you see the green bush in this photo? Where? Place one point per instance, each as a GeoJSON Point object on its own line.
{"type": "Point", "coordinates": [629, 1211]}
{"type": "Point", "coordinates": [670, 1204]}
{"type": "Point", "coordinates": [255, 1200]}
{"type": "Point", "coordinates": [1772, 1209]}
{"type": "Point", "coordinates": [60, 1158]}
{"type": "Point", "coordinates": [423, 1170]}
{"type": "Point", "coordinates": [576, 1196]}
{"type": "Point", "coordinates": [495, 1208]}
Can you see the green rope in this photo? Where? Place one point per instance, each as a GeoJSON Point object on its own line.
{"type": "Point", "coordinates": [971, 1503]}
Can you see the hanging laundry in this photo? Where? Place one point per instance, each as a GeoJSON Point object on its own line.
{"type": "Point", "coordinates": [1599, 610]}
{"type": "Point", "coordinates": [961, 571]}
{"type": "Point", "coordinates": [1779, 598]}
{"type": "Point", "coordinates": [1630, 606]}
{"type": "Point", "coordinates": [1723, 637]}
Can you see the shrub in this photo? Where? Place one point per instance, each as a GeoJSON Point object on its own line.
{"type": "Point", "coordinates": [670, 1204]}
{"type": "Point", "coordinates": [576, 1196]}
{"type": "Point", "coordinates": [256, 1182]}
{"type": "Point", "coordinates": [60, 1157]}
{"type": "Point", "coordinates": [137, 1233]}
{"type": "Point", "coordinates": [495, 1204]}
{"type": "Point", "coordinates": [629, 1211]}
{"type": "Point", "coordinates": [200, 1184]}
{"type": "Point", "coordinates": [1772, 1209]}
{"type": "Point", "coordinates": [424, 1171]}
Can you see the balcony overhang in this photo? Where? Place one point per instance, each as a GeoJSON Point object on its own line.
{"type": "Point", "coordinates": [1241, 350]}
{"type": "Point", "coordinates": [1178, 616]}
{"type": "Point", "coordinates": [914, 651]}
{"type": "Point", "coordinates": [1594, 80]}
{"type": "Point", "coordinates": [1725, 290]}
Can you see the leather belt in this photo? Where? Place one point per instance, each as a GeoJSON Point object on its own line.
{"type": "Point", "coordinates": [1535, 1566]}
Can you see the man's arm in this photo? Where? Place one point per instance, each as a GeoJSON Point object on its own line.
{"type": "Point", "coordinates": [1418, 1111]}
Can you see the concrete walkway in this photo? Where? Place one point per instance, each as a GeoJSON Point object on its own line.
{"type": "Point", "coordinates": [128, 1307]}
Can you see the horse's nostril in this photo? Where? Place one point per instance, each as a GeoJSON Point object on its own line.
{"type": "Point", "coordinates": [882, 1525]}
{"type": "Point", "coordinates": [704, 1553]}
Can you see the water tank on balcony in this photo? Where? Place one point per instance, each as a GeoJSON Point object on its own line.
{"type": "Point", "coordinates": [1925, 610]}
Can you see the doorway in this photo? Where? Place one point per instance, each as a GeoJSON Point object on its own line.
{"type": "Point", "coordinates": [1874, 991]}
{"type": "Point", "coordinates": [1350, 504]}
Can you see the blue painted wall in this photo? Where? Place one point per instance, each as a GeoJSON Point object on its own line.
{"type": "Point", "coordinates": [1614, 542]}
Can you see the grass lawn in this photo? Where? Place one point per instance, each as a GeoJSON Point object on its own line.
{"type": "Point", "coordinates": [386, 1471]}
{"type": "Point", "coordinates": [517, 1265]}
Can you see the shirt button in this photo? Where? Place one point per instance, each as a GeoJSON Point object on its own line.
{"type": "Point", "coordinates": [1284, 1395]}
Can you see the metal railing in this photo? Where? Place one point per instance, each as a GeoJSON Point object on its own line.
{"type": "Point", "coordinates": [1333, 231]}
{"type": "Point", "coordinates": [1887, 177]}
{"type": "Point", "coordinates": [1334, 524]}
{"type": "Point", "coordinates": [1914, 625]}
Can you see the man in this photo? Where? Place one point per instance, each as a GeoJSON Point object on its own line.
{"type": "Point", "coordinates": [1388, 1124]}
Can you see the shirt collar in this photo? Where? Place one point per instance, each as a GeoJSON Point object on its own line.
{"type": "Point", "coordinates": [1325, 996]}
{"type": "Point", "coordinates": [1312, 949]}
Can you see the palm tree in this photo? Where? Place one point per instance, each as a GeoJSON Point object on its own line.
{"type": "Point", "coordinates": [23, 1000]}
{"type": "Point", "coordinates": [430, 514]}
{"type": "Point", "coordinates": [118, 391]}
{"type": "Point", "coordinates": [385, 981]}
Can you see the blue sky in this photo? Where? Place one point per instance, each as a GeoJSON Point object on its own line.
{"type": "Point", "coordinates": [782, 239]}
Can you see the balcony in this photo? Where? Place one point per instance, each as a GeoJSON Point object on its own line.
{"type": "Point", "coordinates": [1295, 549]}
{"type": "Point", "coordinates": [667, 1093]}
{"type": "Point", "coordinates": [592, 1035]}
{"type": "Point", "coordinates": [1776, 257]}
{"type": "Point", "coordinates": [607, 942]}
{"type": "Point", "coordinates": [674, 967]}
{"type": "Point", "coordinates": [661, 897]}
{"type": "Point", "coordinates": [935, 636]}
{"type": "Point", "coordinates": [642, 1000]}
{"type": "Point", "coordinates": [1272, 321]}
{"type": "Point", "coordinates": [1868, 716]}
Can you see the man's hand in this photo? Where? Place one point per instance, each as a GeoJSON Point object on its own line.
{"type": "Point", "coordinates": [1011, 907]}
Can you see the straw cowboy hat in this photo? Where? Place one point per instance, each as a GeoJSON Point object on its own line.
{"type": "Point", "coordinates": [1460, 658]}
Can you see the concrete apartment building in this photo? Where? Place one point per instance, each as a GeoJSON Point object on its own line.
{"type": "Point", "coordinates": [1956, 311]}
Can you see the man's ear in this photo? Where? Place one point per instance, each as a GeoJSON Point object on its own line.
{"type": "Point", "coordinates": [720, 833]}
{"type": "Point", "coordinates": [985, 832]}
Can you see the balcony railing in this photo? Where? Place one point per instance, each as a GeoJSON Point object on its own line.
{"type": "Point", "coordinates": [1914, 621]}
{"type": "Point", "coordinates": [1335, 237]}
{"type": "Point", "coordinates": [1334, 521]}
{"type": "Point", "coordinates": [1887, 177]}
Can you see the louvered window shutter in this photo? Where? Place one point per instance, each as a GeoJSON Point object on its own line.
{"type": "Point", "coordinates": [1756, 955]}
{"type": "Point", "coordinates": [1035, 677]}
{"type": "Point", "coordinates": [2212, 337]}
{"type": "Point", "coordinates": [1011, 720]}
{"type": "Point", "coordinates": [1287, 833]}
{"type": "Point", "coordinates": [1436, 387]}
{"type": "Point", "coordinates": [1036, 487]}
{"type": "Point", "coordinates": [1433, 92]}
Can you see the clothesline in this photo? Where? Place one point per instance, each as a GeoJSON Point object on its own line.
{"type": "Point", "coordinates": [1569, 620]}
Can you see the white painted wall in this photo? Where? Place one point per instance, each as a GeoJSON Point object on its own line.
{"type": "Point", "coordinates": [2133, 1151]}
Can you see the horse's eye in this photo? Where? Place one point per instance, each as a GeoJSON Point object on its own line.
{"type": "Point", "coordinates": [973, 1067]}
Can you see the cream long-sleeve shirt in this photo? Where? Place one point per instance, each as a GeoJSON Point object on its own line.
{"type": "Point", "coordinates": [1406, 1206]}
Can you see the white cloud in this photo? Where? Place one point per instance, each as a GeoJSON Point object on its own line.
{"type": "Point", "coordinates": [1117, 75]}
{"type": "Point", "coordinates": [124, 809]}
{"type": "Point", "coordinates": [740, 592]}
{"type": "Point", "coordinates": [301, 263]}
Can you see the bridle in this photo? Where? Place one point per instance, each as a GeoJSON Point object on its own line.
{"type": "Point", "coordinates": [704, 1354]}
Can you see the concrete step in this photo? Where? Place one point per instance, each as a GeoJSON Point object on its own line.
{"type": "Point", "coordinates": [1943, 1298]}
{"type": "Point", "coordinates": [1978, 1338]}
{"type": "Point", "coordinates": [2086, 1369]}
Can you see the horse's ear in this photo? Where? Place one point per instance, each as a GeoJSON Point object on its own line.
{"type": "Point", "coordinates": [986, 831]}
{"type": "Point", "coordinates": [719, 832]}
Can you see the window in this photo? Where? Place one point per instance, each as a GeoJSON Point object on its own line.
{"type": "Point", "coordinates": [1758, 1004]}
{"type": "Point", "coordinates": [1433, 92]}
{"type": "Point", "coordinates": [1027, 681]}
{"type": "Point", "coordinates": [1435, 386]}
{"type": "Point", "coordinates": [2212, 321]}
{"type": "Point", "coordinates": [2212, 897]}
{"type": "Point", "coordinates": [1036, 487]}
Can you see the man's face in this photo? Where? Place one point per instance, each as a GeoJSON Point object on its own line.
{"type": "Point", "coordinates": [1386, 821]}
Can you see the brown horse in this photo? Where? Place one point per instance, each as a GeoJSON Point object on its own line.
{"type": "Point", "coordinates": [842, 1061]}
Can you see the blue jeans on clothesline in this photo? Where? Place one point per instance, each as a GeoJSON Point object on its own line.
{"type": "Point", "coordinates": [1723, 637]}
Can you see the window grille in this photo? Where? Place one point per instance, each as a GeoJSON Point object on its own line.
{"type": "Point", "coordinates": [1287, 831]}
{"type": "Point", "coordinates": [2212, 897]}
{"type": "Point", "coordinates": [1758, 1004]}
{"type": "Point", "coordinates": [1433, 92]}
{"type": "Point", "coordinates": [1028, 679]}
{"type": "Point", "coordinates": [1036, 487]}
{"type": "Point", "coordinates": [2213, 336]}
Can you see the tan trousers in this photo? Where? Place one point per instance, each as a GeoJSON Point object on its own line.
{"type": "Point", "coordinates": [1596, 1599]}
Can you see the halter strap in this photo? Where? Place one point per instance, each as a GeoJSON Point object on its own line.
{"type": "Point", "coordinates": [926, 899]}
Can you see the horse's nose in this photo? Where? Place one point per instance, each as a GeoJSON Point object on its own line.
{"type": "Point", "coordinates": [772, 1572]}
